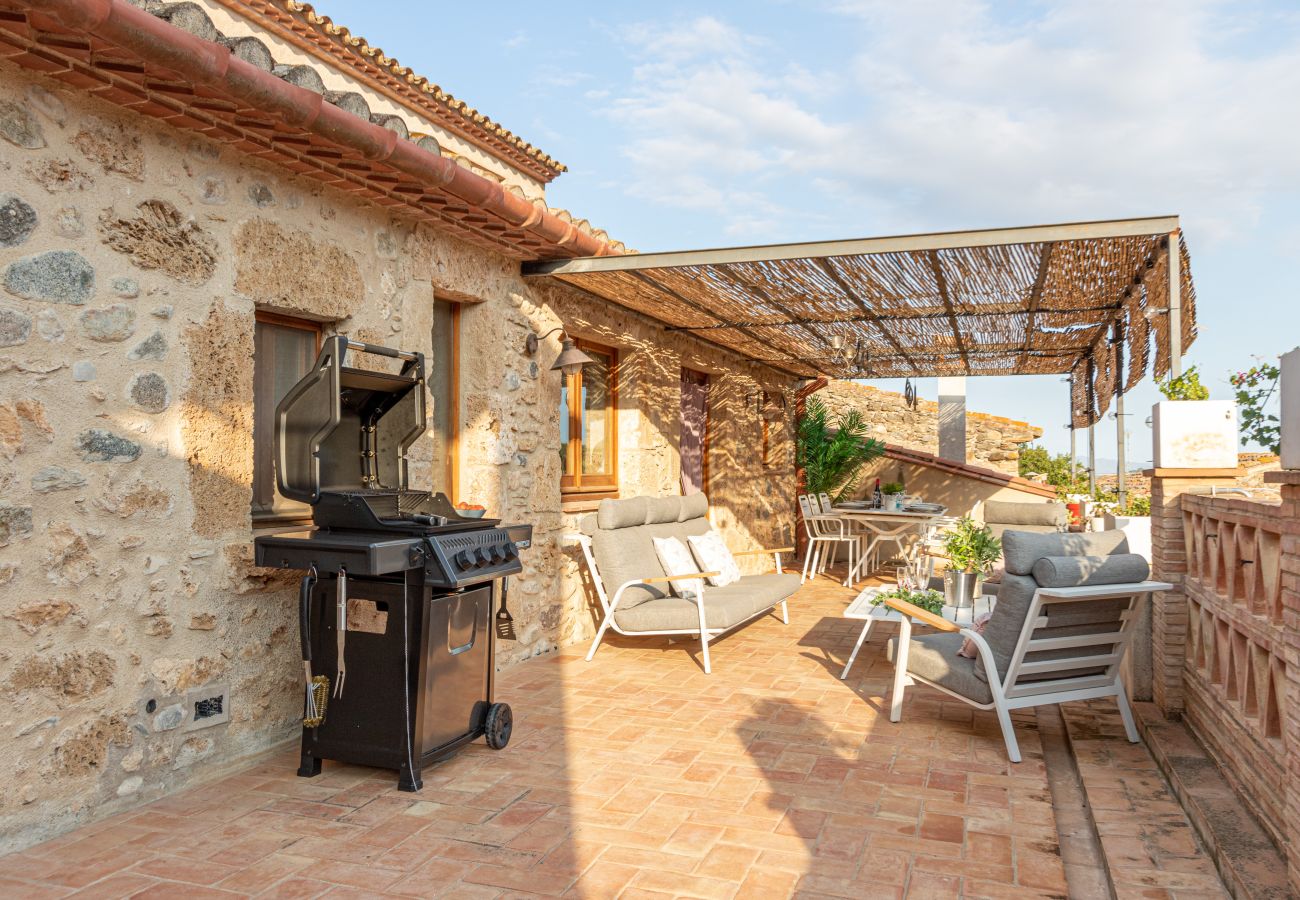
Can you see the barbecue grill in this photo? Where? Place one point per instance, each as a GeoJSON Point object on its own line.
{"type": "Point", "coordinates": [406, 679]}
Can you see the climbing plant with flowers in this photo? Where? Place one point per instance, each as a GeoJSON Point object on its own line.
{"type": "Point", "coordinates": [1255, 387]}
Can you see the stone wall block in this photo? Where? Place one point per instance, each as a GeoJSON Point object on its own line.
{"type": "Point", "coordinates": [58, 276]}
{"type": "Point", "coordinates": [109, 324]}
{"type": "Point", "coordinates": [19, 126]}
{"type": "Point", "coordinates": [17, 220]}
{"type": "Point", "coordinates": [161, 237]}
{"type": "Point", "coordinates": [15, 327]}
{"type": "Point", "coordinates": [99, 445]}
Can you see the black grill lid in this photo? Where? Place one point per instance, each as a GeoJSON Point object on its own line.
{"type": "Point", "coordinates": [348, 429]}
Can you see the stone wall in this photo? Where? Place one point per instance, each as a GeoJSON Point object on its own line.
{"type": "Point", "coordinates": [991, 441]}
{"type": "Point", "coordinates": [132, 261]}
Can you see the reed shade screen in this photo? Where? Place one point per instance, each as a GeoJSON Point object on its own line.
{"type": "Point", "coordinates": [1032, 307]}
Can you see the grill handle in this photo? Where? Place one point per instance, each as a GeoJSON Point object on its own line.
{"type": "Point", "coordinates": [378, 350]}
{"type": "Point", "coordinates": [304, 612]}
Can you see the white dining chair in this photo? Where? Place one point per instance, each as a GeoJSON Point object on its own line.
{"type": "Point", "coordinates": [825, 533]}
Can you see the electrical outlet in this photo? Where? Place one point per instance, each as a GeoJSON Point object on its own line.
{"type": "Point", "coordinates": [207, 706]}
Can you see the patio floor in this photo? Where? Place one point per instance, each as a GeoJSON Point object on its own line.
{"type": "Point", "coordinates": [638, 775]}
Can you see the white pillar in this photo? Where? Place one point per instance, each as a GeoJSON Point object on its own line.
{"type": "Point", "coordinates": [952, 418]}
{"type": "Point", "coordinates": [1290, 409]}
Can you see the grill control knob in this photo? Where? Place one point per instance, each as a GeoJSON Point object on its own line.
{"type": "Point", "coordinates": [511, 550]}
{"type": "Point", "coordinates": [464, 560]}
{"type": "Point", "coordinates": [498, 553]}
{"type": "Point", "coordinates": [484, 558]}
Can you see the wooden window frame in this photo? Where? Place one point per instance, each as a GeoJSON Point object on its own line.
{"type": "Point", "coordinates": [264, 518]}
{"type": "Point", "coordinates": [452, 462]}
{"type": "Point", "coordinates": [576, 486]}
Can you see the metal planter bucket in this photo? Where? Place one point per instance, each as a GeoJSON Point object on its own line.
{"type": "Point", "coordinates": [960, 588]}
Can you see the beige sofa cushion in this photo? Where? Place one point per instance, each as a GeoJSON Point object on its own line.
{"type": "Point", "coordinates": [723, 607]}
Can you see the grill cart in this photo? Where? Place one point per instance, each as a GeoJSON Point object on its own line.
{"type": "Point", "coordinates": [395, 608]}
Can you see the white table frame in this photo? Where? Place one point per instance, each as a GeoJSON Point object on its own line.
{"type": "Point", "coordinates": [863, 608]}
{"type": "Point", "coordinates": [884, 524]}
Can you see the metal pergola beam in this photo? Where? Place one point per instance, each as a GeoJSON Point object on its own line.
{"type": "Point", "coordinates": [945, 240]}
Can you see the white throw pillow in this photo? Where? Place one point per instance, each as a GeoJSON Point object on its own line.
{"type": "Point", "coordinates": [713, 556]}
{"type": "Point", "coordinates": [676, 560]}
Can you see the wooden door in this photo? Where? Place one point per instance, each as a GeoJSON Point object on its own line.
{"type": "Point", "coordinates": [694, 439]}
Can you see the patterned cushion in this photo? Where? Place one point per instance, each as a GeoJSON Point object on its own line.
{"type": "Point", "coordinates": [711, 553]}
{"type": "Point", "coordinates": [677, 560]}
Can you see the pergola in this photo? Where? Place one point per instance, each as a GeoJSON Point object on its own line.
{"type": "Point", "coordinates": [1100, 301]}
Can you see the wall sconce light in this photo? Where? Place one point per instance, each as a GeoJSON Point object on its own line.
{"type": "Point", "coordinates": [571, 359]}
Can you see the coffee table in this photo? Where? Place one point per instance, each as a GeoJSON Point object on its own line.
{"type": "Point", "coordinates": [862, 608]}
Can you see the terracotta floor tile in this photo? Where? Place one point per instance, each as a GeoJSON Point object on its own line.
{"type": "Point", "coordinates": [296, 888]}
{"type": "Point", "coordinates": [638, 776]}
{"type": "Point", "coordinates": [126, 884]}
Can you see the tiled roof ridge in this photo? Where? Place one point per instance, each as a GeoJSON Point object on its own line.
{"type": "Point", "coordinates": [978, 473]}
{"type": "Point", "coordinates": [419, 88]}
{"type": "Point", "coordinates": [175, 53]}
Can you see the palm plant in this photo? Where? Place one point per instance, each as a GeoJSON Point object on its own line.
{"type": "Point", "coordinates": [832, 450]}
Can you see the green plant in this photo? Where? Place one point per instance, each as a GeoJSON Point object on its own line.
{"type": "Point", "coordinates": [1186, 386]}
{"type": "Point", "coordinates": [930, 601]}
{"type": "Point", "coordinates": [1138, 506]}
{"type": "Point", "coordinates": [893, 487]}
{"type": "Point", "coordinates": [832, 450]}
{"type": "Point", "coordinates": [1255, 388]}
{"type": "Point", "coordinates": [1036, 460]}
{"type": "Point", "coordinates": [971, 547]}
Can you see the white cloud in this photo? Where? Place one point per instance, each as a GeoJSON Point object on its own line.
{"type": "Point", "coordinates": [954, 113]}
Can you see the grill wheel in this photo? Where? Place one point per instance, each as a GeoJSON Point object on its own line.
{"type": "Point", "coordinates": [500, 722]}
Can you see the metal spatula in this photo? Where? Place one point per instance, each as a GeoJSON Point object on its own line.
{"type": "Point", "coordinates": [505, 621]}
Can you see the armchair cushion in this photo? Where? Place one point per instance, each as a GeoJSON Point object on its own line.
{"type": "Point", "coordinates": [1021, 549]}
{"type": "Point", "coordinates": [712, 555]}
{"type": "Point", "coordinates": [1077, 571]}
{"type": "Point", "coordinates": [1002, 632]}
{"type": "Point", "coordinates": [934, 658]}
{"type": "Point", "coordinates": [1004, 512]}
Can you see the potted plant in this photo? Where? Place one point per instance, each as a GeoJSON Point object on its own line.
{"type": "Point", "coordinates": [893, 492]}
{"type": "Point", "coordinates": [1191, 431]}
{"type": "Point", "coordinates": [832, 450]}
{"type": "Point", "coordinates": [972, 550]}
{"type": "Point", "coordinates": [1134, 519]}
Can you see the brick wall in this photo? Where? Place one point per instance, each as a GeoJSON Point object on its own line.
{"type": "Point", "coordinates": [991, 441]}
{"type": "Point", "coordinates": [1226, 642]}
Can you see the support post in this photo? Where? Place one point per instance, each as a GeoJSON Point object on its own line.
{"type": "Point", "coordinates": [952, 419]}
{"type": "Point", "coordinates": [1092, 459]}
{"type": "Point", "coordinates": [1121, 483]}
{"type": "Point", "coordinates": [1175, 316]}
{"type": "Point", "coordinates": [1074, 456]}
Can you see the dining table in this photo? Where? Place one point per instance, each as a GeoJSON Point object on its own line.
{"type": "Point", "coordinates": [886, 525]}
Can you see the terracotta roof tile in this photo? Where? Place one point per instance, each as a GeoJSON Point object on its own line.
{"type": "Point", "coordinates": [966, 470]}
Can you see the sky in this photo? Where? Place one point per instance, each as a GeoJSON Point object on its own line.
{"type": "Point", "coordinates": [688, 125]}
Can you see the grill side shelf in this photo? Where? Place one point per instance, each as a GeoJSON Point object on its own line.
{"type": "Point", "coordinates": [360, 555]}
